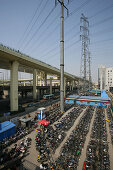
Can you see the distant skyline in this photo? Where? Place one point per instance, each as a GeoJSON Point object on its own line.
{"type": "Point", "coordinates": [33, 28]}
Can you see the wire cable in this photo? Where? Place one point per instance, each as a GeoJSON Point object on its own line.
{"type": "Point", "coordinates": [56, 46]}
{"type": "Point", "coordinates": [102, 31]}
{"type": "Point", "coordinates": [102, 21]}
{"type": "Point", "coordinates": [39, 27]}
{"type": "Point", "coordinates": [110, 39]}
{"type": "Point", "coordinates": [101, 11]}
{"type": "Point", "coordinates": [81, 6]}
{"type": "Point", "coordinates": [47, 36]}
{"type": "Point", "coordinates": [69, 46]}
{"type": "Point", "coordinates": [35, 21]}
{"type": "Point", "coordinates": [30, 22]}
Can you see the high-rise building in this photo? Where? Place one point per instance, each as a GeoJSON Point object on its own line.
{"type": "Point", "coordinates": [105, 78]}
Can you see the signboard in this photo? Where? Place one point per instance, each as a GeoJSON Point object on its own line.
{"type": "Point", "coordinates": [7, 114]}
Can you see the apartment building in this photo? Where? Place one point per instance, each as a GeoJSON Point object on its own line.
{"type": "Point", "coordinates": [105, 77]}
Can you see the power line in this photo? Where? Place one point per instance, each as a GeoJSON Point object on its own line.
{"type": "Point", "coordinates": [31, 21]}
{"type": "Point", "coordinates": [72, 28]}
{"type": "Point", "coordinates": [69, 46]}
{"type": "Point", "coordinates": [81, 6]}
{"type": "Point", "coordinates": [110, 39]}
{"type": "Point", "coordinates": [76, 9]}
{"type": "Point", "coordinates": [101, 11]}
{"type": "Point", "coordinates": [102, 21]}
{"type": "Point", "coordinates": [49, 52]}
{"type": "Point", "coordinates": [35, 21]}
{"type": "Point", "coordinates": [103, 50]}
{"type": "Point", "coordinates": [48, 35]}
{"type": "Point", "coordinates": [39, 27]}
{"type": "Point", "coordinates": [102, 31]}
{"type": "Point", "coordinates": [56, 46]}
{"type": "Point", "coordinates": [73, 36]}
{"type": "Point", "coordinates": [50, 25]}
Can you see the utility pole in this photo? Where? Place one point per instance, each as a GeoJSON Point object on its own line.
{"type": "Point", "coordinates": [84, 54]}
{"type": "Point", "coordinates": [62, 55]}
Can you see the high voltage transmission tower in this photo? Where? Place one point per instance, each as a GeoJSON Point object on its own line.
{"type": "Point", "coordinates": [85, 71]}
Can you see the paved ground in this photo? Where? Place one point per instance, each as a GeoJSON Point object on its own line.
{"type": "Point", "coordinates": [57, 152]}
{"type": "Point", "coordinates": [32, 157]}
{"type": "Point", "coordinates": [83, 155]}
{"type": "Point", "coordinates": [62, 117]}
{"type": "Point", "coordinates": [109, 142]}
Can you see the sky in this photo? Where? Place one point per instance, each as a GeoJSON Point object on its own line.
{"type": "Point", "coordinates": [33, 28]}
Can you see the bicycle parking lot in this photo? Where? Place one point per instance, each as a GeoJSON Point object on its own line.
{"type": "Point", "coordinates": [79, 135]}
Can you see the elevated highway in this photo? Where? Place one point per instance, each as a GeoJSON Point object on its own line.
{"type": "Point", "coordinates": [16, 61]}
{"type": "Point", "coordinates": [28, 64]}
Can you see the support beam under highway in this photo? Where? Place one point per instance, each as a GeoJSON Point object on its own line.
{"type": "Point", "coordinates": [34, 84]}
{"type": "Point", "coordinates": [51, 85]}
{"type": "Point", "coordinates": [14, 86]}
{"type": "Point", "coordinates": [73, 84]}
{"type": "Point", "coordinates": [44, 79]}
{"type": "Point", "coordinates": [70, 85]}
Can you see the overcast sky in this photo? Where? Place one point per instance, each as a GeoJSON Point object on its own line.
{"type": "Point", "coordinates": [33, 27]}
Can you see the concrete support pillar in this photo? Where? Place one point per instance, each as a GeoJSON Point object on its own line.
{"type": "Point", "coordinates": [73, 85]}
{"type": "Point", "coordinates": [14, 86]}
{"type": "Point", "coordinates": [64, 86]}
{"type": "Point", "coordinates": [22, 94]}
{"type": "Point", "coordinates": [70, 86]}
{"type": "Point", "coordinates": [38, 94]}
{"type": "Point", "coordinates": [45, 79]}
{"type": "Point", "coordinates": [37, 79]}
{"type": "Point", "coordinates": [40, 78]}
{"type": "Point", "coordinates": [50, 85]}
{"type": "Point", "coordinates": [26, 94]}
{"type": "Point", "coordinates": [24, 83]}
{"type": "Point", "coordinates": [34, 84]}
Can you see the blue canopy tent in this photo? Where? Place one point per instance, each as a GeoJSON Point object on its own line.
{"type": "Point", "coordinates": [7, 129]}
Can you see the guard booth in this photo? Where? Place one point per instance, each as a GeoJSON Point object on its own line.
{"type": "Point", "coordinates": [41, 113]}
{"type": "Point", "coordinates": [26, 122]}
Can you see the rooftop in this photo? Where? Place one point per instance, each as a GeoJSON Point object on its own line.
{"type": "Point", "coordinates": [6, 125]}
